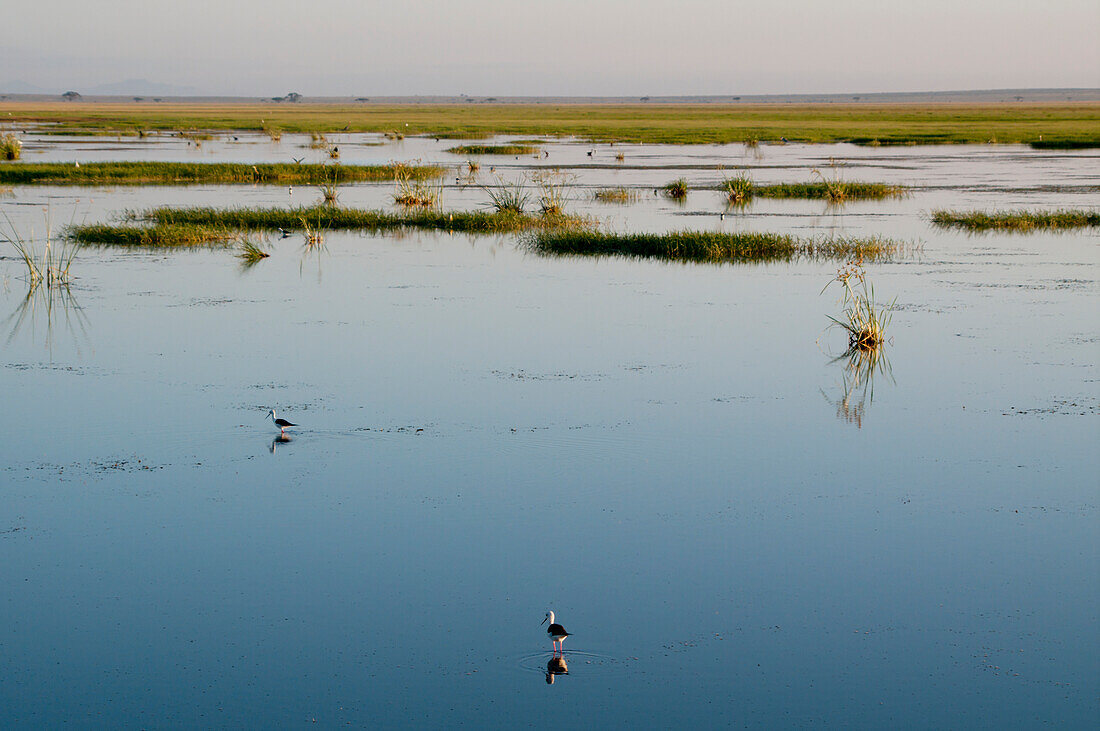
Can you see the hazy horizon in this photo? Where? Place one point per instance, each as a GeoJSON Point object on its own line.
{"type": "Point", "coordinates": [557, 48]}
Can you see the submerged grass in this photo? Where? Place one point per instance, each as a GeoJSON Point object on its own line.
{"type": "Point", "coordinates": [198, 226]}
{"type": "Point", "coordinates": [615, 195]}
{"type": "Point", "coordinates": [188, 173]}
{"type": "Point", "coordinates": [160, 235]}
{"type": "Point", "coordinates": [822, 189]}
{"type": "Point", "coordinates": [494, 150]}
{"type": "Point", "coordinates": [709, 246]}
{"type": "Point", "coordinates": [1018, 221]}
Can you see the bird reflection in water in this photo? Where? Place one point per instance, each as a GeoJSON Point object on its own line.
{"type": "Point", "coordinates": [861, 366]}
{"type": "Point", "coordinates": [281, 438]}
{"type": "Point", "coordinates": [555, 666]}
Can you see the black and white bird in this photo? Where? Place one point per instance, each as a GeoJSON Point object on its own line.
{"type": "Point", "coordinates": [283, 424]}
{"type": "Point", "coordinates": [284, 232]}
{"type": "Point", "coordinates": [556, 631]}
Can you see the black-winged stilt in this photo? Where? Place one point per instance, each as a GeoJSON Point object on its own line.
{"type": "Point", "coordinates": [283, 424]}
{"type": "Point", "coordinates": [556, 631]}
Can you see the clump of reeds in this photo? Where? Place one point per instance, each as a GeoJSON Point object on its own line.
{"type": "Point", "coordinates": [677, 189]}
{"type": "Point", "coordinates": [620, 157]}
{"type": "Point", "coordinates": [317, 141]}
{"type": "Point", "coordinates": [10, 147]}
{"type": "Point", "coordinates": [394, 135]}
{"type": "Point", "coordinates": [553, 188]}
{"type": "Point", "coordinates": [827, 190]}
{"type": "Point", "coordinates": [507, 197]}
{"type": "Point", "coordinates": [1016, 221]}
{"type": "Point", "coordinates": [739, 189]}
{"type": "Point", "coordinates": [493, 150]}
{"type": "Point", "coordinates": [836, 191]}
{"type": "Point", "coordinates": [313, 235]}
{"type": "Point", "coordinates": [274, 133]}
{"type": "Point", "coordinates": [707, 246]}
{"type": "Point", "coordinates": [615, 195]}
{"type": "Point", "coordinates": [862, 318]}
{"type": "Point", "coordinates": [329, 189]}
{"type": "Point", "coordinates": [52, 265]}
{"type": "Point", "coordinates": [251, 253]}
{"type": "Point", "coordinates": [474, 166]}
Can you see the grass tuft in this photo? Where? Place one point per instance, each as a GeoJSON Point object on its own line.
{"type": "Point", "coordinates": [50, 266]}
{"type": "Point", "coordinates": [863, 320]}
{"type": "Point", "coordinates": [251, 253]}
{"type": "Point", "coordinates": [1018, 221]}
{"type": "Point", "coordinates": [739, 189]}
{"type": "Point", "coordinates": [677, 189]}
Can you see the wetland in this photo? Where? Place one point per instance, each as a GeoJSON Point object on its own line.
{"type": "Point", "coordinates": [642, 416]}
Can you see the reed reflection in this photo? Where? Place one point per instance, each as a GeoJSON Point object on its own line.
{"type": "Point", "coordinates": [861, 366]}
{"type": "Point", "coordinates": [51, 307]}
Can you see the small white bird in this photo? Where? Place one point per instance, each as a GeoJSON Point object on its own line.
{"type": "Point", "coordinates": [556, 631]}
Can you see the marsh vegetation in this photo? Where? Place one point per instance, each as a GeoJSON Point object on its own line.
{"type": "Point", "coordinates": [1020, 221]}
{"type": "Point", "coordinates": [189, 173]}
{"type": "Point", "coordinates": [703, 246]}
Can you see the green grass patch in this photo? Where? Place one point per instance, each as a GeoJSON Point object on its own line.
{"type": "Point", "coordinates": [192, 173]}
{"type": "Point", "coordinates": [1020, 221]}
{"type": "Point", "coordinates": [493, 150]}
{"type": "Point", "coordinates": [701, 246]}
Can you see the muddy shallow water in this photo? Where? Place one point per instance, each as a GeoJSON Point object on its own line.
{"type": "Point", "coordinates": [661, 453]}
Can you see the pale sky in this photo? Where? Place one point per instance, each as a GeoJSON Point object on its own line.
{"type": "Point", "coordinates": [554, 47]}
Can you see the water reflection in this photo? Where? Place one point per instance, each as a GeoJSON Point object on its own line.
{"type": "Point", "coordinates": [861, 365]}
{"type": "Point", "coordinates": [279, 439]}
{"type": "Point", "coordinates": [56, 305]}
{"type": "Point", "coordinates": [555, 666]}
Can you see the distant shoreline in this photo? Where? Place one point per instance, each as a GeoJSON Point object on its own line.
{"type": "Point", "coordinates": [976, 96]}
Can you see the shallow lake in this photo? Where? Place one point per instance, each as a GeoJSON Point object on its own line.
{"type": "Point", "coordinates": [735, 530]}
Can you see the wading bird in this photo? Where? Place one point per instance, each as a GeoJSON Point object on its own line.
{"type": "Point", "coordinates": [556, 631]}
{"type": "Point", "coordinates": [283, 424]}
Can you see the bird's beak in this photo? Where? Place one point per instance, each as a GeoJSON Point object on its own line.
{"type": "Point", "coordinates": [544, 620]}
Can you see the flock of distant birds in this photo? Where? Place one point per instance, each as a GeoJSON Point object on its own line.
{"type": "Point", "coordinates": [556, 633]}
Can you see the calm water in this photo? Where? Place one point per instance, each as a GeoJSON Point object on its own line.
{"type": "Point", "coordinates": [662, 454]}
